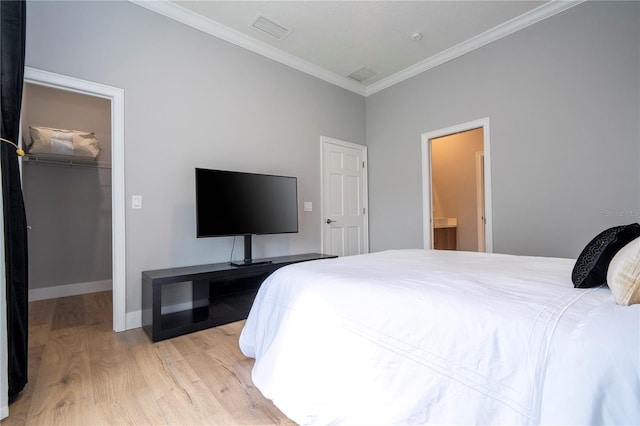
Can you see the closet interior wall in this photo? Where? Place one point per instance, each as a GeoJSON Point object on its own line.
{"type": "Point", "coordinates": [68, 205]}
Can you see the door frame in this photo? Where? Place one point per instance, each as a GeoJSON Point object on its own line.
{"type": "Point", "coordinates": [365, 191]}
{"type": "Point", "coordinates": [480, 216]}
{"type": "Point", "coordinates": [116, 96]}
{"type": "Point", "coordinates": [427, 201]}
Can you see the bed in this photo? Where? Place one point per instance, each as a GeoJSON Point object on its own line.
{"type": "Point", "coordinates": [442, 337]}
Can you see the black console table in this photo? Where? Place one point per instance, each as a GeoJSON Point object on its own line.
{"type": "Point", "coordinates": [222, 293]}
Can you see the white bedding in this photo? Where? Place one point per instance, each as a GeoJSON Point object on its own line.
{"type": "Point", "coordinates": [441, 337]}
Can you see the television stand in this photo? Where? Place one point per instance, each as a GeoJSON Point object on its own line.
{"type": "Point", "coordinates": [249, 263]}
{"type": "Point", "coordinates": [221, 293]}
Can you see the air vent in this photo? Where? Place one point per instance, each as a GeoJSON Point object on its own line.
{"type": "Point", "coordinates": [268, 26]}
{"type": "Point", "coordinates": [362, 74]}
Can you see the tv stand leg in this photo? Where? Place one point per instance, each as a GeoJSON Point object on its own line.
{"type": "Point", "coordinates": [247, 249]}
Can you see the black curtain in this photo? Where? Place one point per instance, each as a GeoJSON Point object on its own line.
{"type": "Point", "coordinates": [12, 44]}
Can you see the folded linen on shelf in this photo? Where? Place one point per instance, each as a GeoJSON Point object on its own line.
{"type": "Point", "coordinates": [47, 140]}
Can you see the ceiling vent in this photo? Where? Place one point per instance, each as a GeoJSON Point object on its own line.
{"type": "Point", "coordinates": [362, 74]}
{"type": "Point", "coordinates": [268, 26]}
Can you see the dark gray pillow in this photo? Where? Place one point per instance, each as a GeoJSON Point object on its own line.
{"type": "Point", "coordinates": [591, 266]}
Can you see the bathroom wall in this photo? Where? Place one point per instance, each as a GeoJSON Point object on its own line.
{"type": "Point", "coordinates": [68, 207]}
{"type": "Point", "coordinates": [454, 183]}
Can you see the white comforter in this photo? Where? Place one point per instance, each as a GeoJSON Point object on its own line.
{"type": "Point", "coordinates": [441, 337]}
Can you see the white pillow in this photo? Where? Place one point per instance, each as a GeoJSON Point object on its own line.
{"type": "Point", "coordinates": [46, 140]}
{"type": "Point", "coordinates": [623, 276]}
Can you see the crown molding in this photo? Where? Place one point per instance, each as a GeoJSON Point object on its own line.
{"type": "Point", "coordinates": [518, 23]}
{"type": "Point", "coordinates": [180, 14]}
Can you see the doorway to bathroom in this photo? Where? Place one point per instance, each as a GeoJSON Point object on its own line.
{"type": "Point", "coordinates": [457, 188]}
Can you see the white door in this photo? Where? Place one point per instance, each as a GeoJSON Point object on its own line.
{"type": "Point", "coordinates": [344, 198]}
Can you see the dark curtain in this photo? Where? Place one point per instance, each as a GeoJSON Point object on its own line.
{"type": "Point", "coordinates": [12, 43]}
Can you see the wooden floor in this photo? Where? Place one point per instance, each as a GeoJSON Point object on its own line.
{"type": "Point", "coordinates": [82, 373]}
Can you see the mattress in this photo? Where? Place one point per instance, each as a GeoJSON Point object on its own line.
{"type": "Point", "coordinates": [443, 337]}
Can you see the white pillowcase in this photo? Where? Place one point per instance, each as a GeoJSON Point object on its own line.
{"type": "Point", "coordinates": [623, 276]}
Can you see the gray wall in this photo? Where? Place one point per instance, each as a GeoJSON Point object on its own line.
{"type": "Point", "coordinates": [562, 95]}
{"type": "Point", "coordinates": [68, 208]}
{"type": "Point", "coordinates": [563, 101]}
{"type": "Point", "coordinates": [192, 100]}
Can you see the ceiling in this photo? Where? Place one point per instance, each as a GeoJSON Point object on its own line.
{"type": "Point", "coordinates": [386, 41]}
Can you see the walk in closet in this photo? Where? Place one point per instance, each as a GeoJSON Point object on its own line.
{"type": "Point", "coordinates": [67, 197]}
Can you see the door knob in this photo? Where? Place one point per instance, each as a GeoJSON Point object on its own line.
{"type": "Point", "coordinates": [329, 221]}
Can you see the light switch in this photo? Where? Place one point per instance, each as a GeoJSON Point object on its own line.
{"type": "Point", "coordinates": [136, 202]}
{"type": "Point", "coordinates": [308, 206]}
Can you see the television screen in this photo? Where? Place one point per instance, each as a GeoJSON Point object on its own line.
{"type": "Point", "coordinates": [237, 203]}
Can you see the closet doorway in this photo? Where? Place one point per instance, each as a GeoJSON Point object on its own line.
{"type": "Point", "coordinates": [107, 184]}
{"type": "Point", "coordinates": [67, 197]}
{"type": "Point", "coordinates": [457, 188]}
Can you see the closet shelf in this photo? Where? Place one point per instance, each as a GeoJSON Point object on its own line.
{"type": "Point", "coordinates": [64, 161]}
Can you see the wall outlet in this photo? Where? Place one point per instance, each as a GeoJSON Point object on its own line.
{"type": "Point", "coordinates": [308, 206]}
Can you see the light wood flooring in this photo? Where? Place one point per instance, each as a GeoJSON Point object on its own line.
{"type": "Point", "coordinates": [82, 373]}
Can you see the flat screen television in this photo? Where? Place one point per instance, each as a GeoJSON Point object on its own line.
{"type": "Point", "coordinates": [231, 203]}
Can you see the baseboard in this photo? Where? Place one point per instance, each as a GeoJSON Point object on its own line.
{"type": "Point", "coordinates": [68, 290]}
{"type": "Point", "coordinates": [133, 320]}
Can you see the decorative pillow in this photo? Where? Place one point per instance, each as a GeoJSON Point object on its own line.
{"type": "Point", "coordinates": [623, 276]}
{"type": "Point", "coordinates": [591, 267]}
{"type": "Point", "coordinates": [45, 140]}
